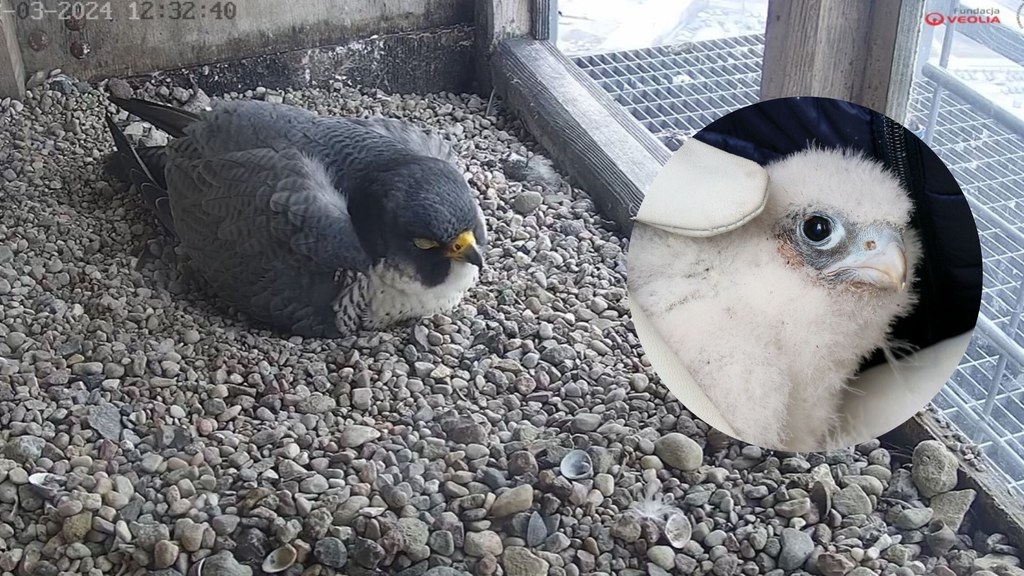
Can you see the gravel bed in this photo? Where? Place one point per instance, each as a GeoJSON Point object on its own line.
{"type": "Point", "coordinates": [144, 431]}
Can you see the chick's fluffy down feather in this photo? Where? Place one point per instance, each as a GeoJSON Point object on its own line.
{"type": "Point", "coordinates": [771, 344]}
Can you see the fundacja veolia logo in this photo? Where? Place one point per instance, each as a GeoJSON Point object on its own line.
{"type": "Point", "coordinates": [964, 16]}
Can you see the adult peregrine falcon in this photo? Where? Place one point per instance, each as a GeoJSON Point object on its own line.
{"type": "Point", "coordinates": [316, 226]}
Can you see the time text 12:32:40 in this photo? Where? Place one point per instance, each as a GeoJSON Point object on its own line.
{"type": "Point", "coordinates": [182, 10]}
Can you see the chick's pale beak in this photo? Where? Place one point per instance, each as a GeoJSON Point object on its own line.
{"type": "Point", "coordinates": [881, 263]}
{"type": "Point", "coordinates": [464, 249]}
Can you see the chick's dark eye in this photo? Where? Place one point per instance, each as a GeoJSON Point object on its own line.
{"type": "Point", "coordinates": [817, 228]}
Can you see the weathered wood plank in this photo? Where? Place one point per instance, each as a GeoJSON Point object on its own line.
{"type": "Point", "coordinates": [12, 69]}
{"type": "Point", "coordinates": [588, 135]}
{"type": "Point", "coordinates": [995, 509]}
{"type": "Point", "coordinates": [847, 49]}
{"type": "Point", "coordinates": [497, 20]}
{"type": "Point", "coordinates": [433, 61]}
{"type": "Point", "coordinates": [258, 28]}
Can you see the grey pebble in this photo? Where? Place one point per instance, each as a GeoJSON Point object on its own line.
{"type": "Point", "coordinates": [796, 548]}
{"type": "Point", "coordinates": [331, 552]}
{"type": "Point", "coordinates": [951, 507]}
{"type": "Point", "coordinates": [24, 449]}
{"type": "Point", "coordinates": [679, 451]}
{"type": "Point", "coordinates": [356, 435]}
{"type": "Point", "coordinates": [913, 518]}
{"type": "Point", "coordinates": [527, 202]}
{"type": "Point", "coordinates": [934, 468]}
{"type": "Point", "coordinates": [851, 501]}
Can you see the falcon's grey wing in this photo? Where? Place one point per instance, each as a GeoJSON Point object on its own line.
{"type": "Point", "coordinates": [416, 140]}
{"type": "Point", "coordinates": [267, 230]}
{"type": "Point", "coordinates": [347, 145]}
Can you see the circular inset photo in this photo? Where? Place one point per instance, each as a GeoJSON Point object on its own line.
{"type": "Point", "coordinates": [804, 274]}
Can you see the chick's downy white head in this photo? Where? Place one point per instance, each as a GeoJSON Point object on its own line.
{"type": "Point", "coordinates": [844, 218]}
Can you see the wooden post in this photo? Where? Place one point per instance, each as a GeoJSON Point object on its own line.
{"type": "Point", "coordinates": [858, 51]}
{"type": "Point", "coordinates": [545, 20]}
{"type": "Point", "coordinates": [904, 58]}
{"type": "Point", "coordinates": [12, 69]}
{"type": "Point", "coordinates": [497, 20]}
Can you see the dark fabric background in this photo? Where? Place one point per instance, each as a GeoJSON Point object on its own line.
{"type": "Point", "coordinates": [950, 278]}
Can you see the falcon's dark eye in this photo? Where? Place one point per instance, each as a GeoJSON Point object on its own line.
{"type": "Point", "coordinates": [817, 228]}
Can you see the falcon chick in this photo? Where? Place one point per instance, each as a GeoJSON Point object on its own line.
{"type": "Point", "coordinates": [316, 226]}
{"type": "Point", "coordinates": [773, 319]}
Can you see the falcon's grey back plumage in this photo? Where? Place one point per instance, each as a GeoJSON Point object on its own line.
{"type": "Point", "coordinates": [315, 225]}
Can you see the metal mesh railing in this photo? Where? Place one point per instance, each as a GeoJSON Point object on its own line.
{"type": "Point", "coordinates": [985, 396]}
{"type": "Point", "coordinates": [675, 91]}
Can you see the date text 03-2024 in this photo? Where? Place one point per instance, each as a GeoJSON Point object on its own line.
{"type": "Point", "coordinates": [105, 10]}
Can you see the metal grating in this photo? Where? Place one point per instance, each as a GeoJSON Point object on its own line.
{"type": "Point", "coordinates": [675, 91]}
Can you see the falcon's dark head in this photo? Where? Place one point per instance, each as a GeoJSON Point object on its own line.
{"type": "Point", "coordinates": [419, 212]}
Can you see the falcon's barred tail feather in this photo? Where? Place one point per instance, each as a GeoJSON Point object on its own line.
{"type": "Point", "coordinates": [141, 174]}
{"type": "Point", "coordinates": [154, 158]}
{"type": "Point", "coordinates": [167, 118]}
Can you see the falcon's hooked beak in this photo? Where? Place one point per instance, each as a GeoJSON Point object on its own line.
{"type": "Point", "coordinates": [464, 249]}
{"type": "Point", "coordinates": [880, 262]}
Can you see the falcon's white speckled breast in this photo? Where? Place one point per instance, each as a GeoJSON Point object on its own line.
{"type": "Point", "coordinates": [395, 295]}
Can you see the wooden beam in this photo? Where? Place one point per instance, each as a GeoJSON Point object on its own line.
{"type": "Point", "coordinates": [994, 509]}
{"type": "Point", "coordinates": [847, 49]}
{"type": "Point", "coordinates": [12, 69]}
{"type": "Point", "coordinates": [255, 28]}
{"type": "Point", "coordinates": [497, 20]}
{"type": "Point", "coordinates": [437, 60]}
{"type": "Point", "coordinates": [587, 134]}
